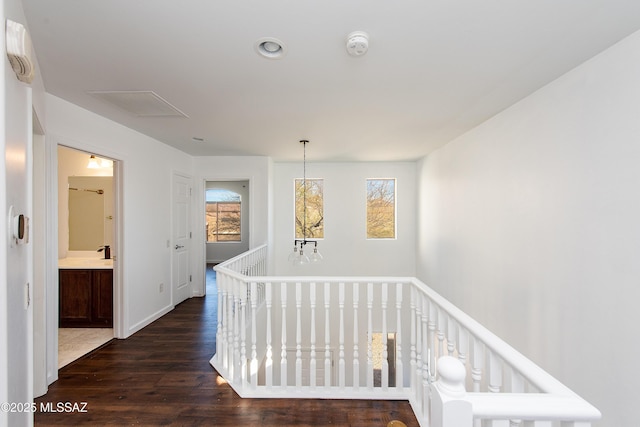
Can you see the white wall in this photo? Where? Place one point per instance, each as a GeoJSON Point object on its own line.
{"type": "Point", "coordinates": [345, 248]}
{"type": "Point", "coordinates": [530, 223]}
{"type": "Point", "coordinates": [145, 256]}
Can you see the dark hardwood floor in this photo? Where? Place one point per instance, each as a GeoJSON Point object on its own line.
{"type": "Point", "coordinates": [162, 376]}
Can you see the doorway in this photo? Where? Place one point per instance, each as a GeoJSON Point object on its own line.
{"type": "Point", "coordinates": [226, 219]}
{"type": "Point", "coordinates": [86, 250]}
{"type": "Point", "coordinates": [227, 222]}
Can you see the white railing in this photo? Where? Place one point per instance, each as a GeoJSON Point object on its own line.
{"type": "Point", "coordinates": [324, 337]}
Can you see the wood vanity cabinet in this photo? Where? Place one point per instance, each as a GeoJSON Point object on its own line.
{"type": "Point", "coordinates": [85, 298]}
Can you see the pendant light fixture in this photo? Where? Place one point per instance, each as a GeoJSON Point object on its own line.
{"type": "Point", "coordinates": [298, 256]}
{"type": "Point", "coordinates": [93, 162]}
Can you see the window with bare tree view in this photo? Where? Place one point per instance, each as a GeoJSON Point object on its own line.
{"type": "Point", "coordinates": [314, 220]}
{"type": "Point", "coordinates": [381, 208]}
{"type": "Point", "coordinates": [223, 216]}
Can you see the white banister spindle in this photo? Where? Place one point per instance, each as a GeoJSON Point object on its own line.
{"type": "Point", "coordinates": [269, 348]}
{"type": "Point", "coordinates": [433, 353]}
{"type": "Point", "coordinates": [253, 367]}
{"type": "Point", "coordinates": [421, 359]}
{"type": "Point", "coordinates": [341, 362]}
{"type": "Point", "coordinates": [463, 345]}
{"type": "Point", "coordinates": [398, 368]}
{"type": "Point", "coordinates": [223, 319]}
{"type": "Point", "coordinates": [283, 345]}
{"type": "Point", "coordinates": [477, 361]}
{"type": "Point", "coordinates": [298, 334]}
{"type": "Point", "coordinates": [427, 366]}
{"type": "Point", "coordinates": [495, 373]}
{"type": "Point", "coordinates": [440, 331]}
{"type": "Point", "coordinates": [356, 356]}
{"type": "Point", "coordinates": [517, 382]}
{"type": "Point", "coordinates": [385, 351]}
{"type": "Point", "coordinates": [229, 328]}
{"type": "Point", "coordinates": [235, 337]}
{"type": "Point", "coordinates": [243, 334]}
{"type": "Point", "coordinates": [412, 348]}
{"type": "Point", "coordinates": [451, 336]}
{"type": "Point", "coordinates": [327, 336]}
{"type": "Point", "coordinates": [313, 368]}
{"type": "Point", "coordinates": [369, 335]}
{"type": "Point", "coordinates": [219, 329]}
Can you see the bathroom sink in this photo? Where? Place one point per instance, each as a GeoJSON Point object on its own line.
{"type": "Point", "coordinates": [77, 262]}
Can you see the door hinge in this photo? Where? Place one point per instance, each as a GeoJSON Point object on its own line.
{"type": "Point", "coordinates": [190, 235]}
{"type": "Point", "coordinates": [190, 278]}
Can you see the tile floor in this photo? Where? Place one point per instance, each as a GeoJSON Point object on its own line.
{"type": "Point", "coordinates": [76, 342]}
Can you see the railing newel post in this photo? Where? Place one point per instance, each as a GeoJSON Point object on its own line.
{"type": "Point", "coordinates": [449, 408]}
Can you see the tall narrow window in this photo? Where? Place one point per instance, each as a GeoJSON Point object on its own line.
{"type": "Point", "coordinates": [223, 215]}
{"type": "Point", "coordinates": [309, 218]}
{"type": "Point", "coordinates": [381, 208]}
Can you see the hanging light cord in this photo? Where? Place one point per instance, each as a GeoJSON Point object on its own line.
{"type": "Point", "coordinates": [304, 190]}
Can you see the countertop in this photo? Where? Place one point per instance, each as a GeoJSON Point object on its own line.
{"type": "Point", "coordinates": [85, 263]}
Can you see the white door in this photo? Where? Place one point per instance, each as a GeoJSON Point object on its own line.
{"type": "Point", "coordinates": [181, 238]}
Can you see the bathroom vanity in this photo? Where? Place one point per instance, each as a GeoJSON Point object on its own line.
{"type": "Point", "coordinates": [85, 293]}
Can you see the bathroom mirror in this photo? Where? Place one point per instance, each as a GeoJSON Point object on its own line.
{"type": "Point", "coordinates": [89, 212]}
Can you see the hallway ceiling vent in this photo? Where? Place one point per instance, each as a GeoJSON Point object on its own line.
{"type": "Point", "coordinates": [140, 103]}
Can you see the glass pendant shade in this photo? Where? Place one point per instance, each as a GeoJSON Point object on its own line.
{"type": "Point", "coordinates": [293, 255]}
{"type": "Point", "coordinates": [302, 258]}
{"type": "Point", "coordinates": [316, 256]}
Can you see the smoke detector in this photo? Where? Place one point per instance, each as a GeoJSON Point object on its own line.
{"type": "Point", "coordinates": [357, 43]}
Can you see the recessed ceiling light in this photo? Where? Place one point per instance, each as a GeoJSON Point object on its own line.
{"type": "Point", "coordinates": [271, 48]}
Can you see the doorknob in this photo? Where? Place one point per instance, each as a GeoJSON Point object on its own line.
{"type": "Point", "coordinates": [179, 247]}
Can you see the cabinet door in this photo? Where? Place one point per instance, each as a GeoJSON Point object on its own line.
{"type": "Point", "coordinates": [102, 304]}
{"type": "Point", "coordinates": [75, 297]}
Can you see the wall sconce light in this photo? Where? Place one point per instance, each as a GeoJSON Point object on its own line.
{"type": "Point", "coordinates": [93, 163]}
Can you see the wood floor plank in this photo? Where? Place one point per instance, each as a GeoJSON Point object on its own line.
{"type": "Point", "coordinates": [161, 376]}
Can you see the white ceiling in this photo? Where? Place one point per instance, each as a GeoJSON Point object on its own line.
{"type": "Point", "coordinates": [435, 68]}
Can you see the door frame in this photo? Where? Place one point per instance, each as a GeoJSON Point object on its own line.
{"type": "Point", "coordinates": [51, 268]}
{"type": "Point", "coordinates": [201, 222]}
